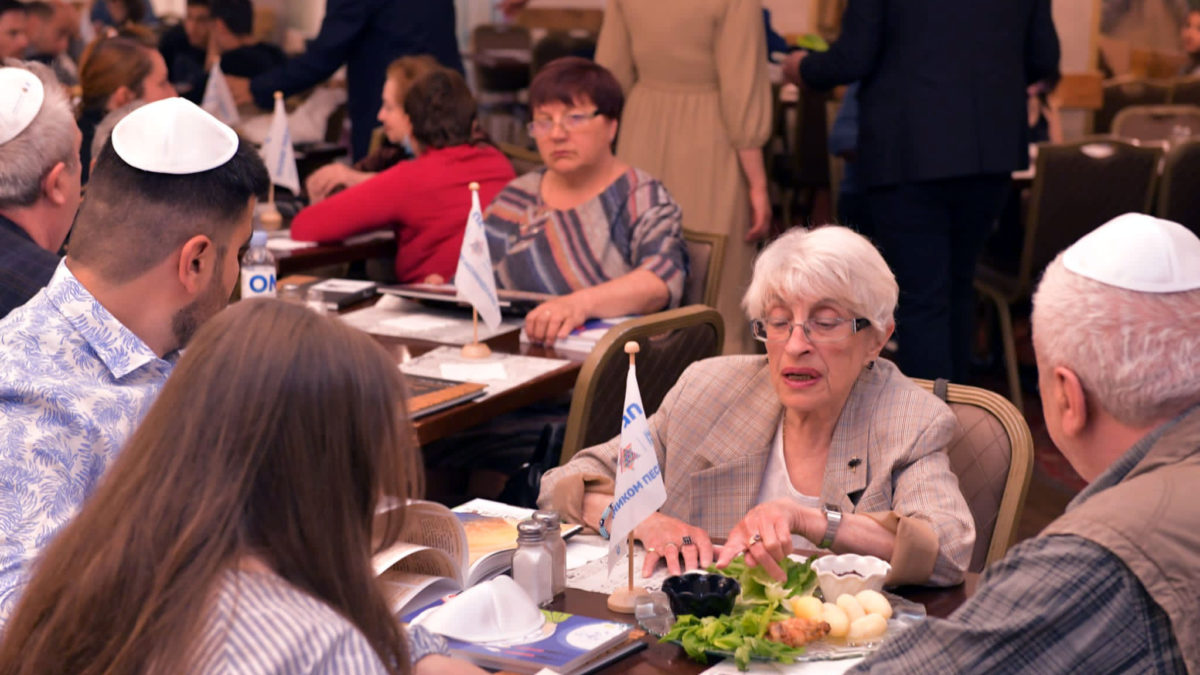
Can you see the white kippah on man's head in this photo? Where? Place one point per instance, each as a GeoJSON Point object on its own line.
{"type": "Point", "coordinates": [21, 97]}
{"type": "Point", "coordinates": [173, 136]}
{"type": "Point", "coordinates": [1138, 252]}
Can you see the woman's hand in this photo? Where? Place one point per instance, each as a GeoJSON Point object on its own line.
{"type": "Point", "coordinates": [666, 538]}
{"type": "Point", "coordinates": [322, 182]}
{"type": "Point", "coordinates": [760, 210]}
{"type": "Point", "coordinates": [555, 319]}
{"type": "Point", "coordinates": [765, 535]}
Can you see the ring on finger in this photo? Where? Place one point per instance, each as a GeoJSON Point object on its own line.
{"type": "Point", "coordinates": [755, 539]}
{"type": "Point", "coordinates": [651, 550]}
{"type": "Point", "coordinates": [687, 541]}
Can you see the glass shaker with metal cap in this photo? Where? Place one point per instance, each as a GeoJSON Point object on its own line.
{"type": "Point", "coordinates": [557, 548]}
{"type": "Point", "coordinates": [533, 564]}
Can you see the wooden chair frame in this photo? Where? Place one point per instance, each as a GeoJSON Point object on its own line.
{"type": "Point", "coordinates": [1020, 466]}
{"type": "Point", "coordinates": [712, 284]}
{"type": "Point", "coordinates": [612, 346]}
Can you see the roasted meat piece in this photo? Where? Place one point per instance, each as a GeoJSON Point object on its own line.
{"type": "Point", "coordinates": [797, 632]}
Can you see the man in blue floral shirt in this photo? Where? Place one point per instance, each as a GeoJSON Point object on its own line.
{"type": "Point", "coordinates": [154, 253]}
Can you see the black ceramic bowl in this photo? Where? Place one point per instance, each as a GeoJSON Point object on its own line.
{"type": "Point", "coordinates": [701, 594]}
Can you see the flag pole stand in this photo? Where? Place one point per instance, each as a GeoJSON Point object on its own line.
{"type": "Point", "coordinates": [475, 349]}
{"type": "Point", "coordinates": [270, 218]}
{"type": "Point", "coordinates": [623, 600]}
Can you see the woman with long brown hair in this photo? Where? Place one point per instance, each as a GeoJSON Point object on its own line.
{"type": "Point", "coordinates": [235, 531]}
{"type": "Point", "coordinates": [114, 71]}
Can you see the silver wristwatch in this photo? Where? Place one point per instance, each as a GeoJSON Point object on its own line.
{"type": "Point", "coordinates": [833, 520]}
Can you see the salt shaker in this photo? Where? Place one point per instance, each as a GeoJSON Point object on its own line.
{"type": "Point", "coordinates": [532, 565]}
{"type": "Point", "coordinates": [315, 300]}
{"type": "Point", "coordinates": [557, 548]}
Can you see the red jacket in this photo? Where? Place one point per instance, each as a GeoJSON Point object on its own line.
{"type": "Point", "coordinates": [425, 201]}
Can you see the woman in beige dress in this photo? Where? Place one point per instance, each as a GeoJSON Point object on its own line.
{"type": "Point", "coordinates": [698, 112]}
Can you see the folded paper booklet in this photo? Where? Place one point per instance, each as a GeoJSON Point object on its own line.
{"type": "Point", "coordinates": [430, 394]}
{"type": "Point", "coordinates": [445, 295]}
{"type": "Point", "coordinates": [584, 338]}
{"type": "Point", "coordinates": [442, 552]}
{"type": "Point", "coordinates": [568, 644]}
{"type": "Point", "coordinates": [337, 294]}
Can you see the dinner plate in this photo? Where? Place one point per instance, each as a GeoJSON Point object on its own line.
{"type": "Point", "coordinates": [905, 614]}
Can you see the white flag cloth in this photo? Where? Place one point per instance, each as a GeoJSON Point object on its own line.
{"type": "Point", "coordinates": [474, 280]}
{"type": "Point", "coordinates": [277, 151]}
{"type": "Point", "coordinates": [639, 489]}
{"type": "Point", "coordinates": [218, 99]}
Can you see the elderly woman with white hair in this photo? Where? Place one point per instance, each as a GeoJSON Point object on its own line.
{"type": "Point", "coordinates": [821, 438]}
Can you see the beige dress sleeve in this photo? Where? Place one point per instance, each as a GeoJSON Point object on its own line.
{"type": "Point", "coordinates": [741, 58]}
{"type": "Point", "coordinates": [613, 48]}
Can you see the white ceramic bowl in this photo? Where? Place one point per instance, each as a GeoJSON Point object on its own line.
{"type": "Point", "coordinates": [849, 573]}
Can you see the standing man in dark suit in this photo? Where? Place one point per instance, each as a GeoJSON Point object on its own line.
{"type": "Point", "coordinates": [366, 35]}
{"type": "Point", "coordinates": [942, 126]}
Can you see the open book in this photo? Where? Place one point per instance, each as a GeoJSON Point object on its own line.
{"type": "Point", "coordinates": [443, 551]}
{"type": "Point", "coordinates": [569, 644]}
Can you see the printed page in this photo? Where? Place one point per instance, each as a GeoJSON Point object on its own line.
{"type": "Point", "coordinates": [427, 525]}
{"type": "Point", "coordinates": [417, 559]}
{"type": "Point", "coordinates": [407, 592]}
{"type": "Point", "coordinates": [491, 529]}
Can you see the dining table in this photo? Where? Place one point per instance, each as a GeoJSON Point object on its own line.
{"type": "Point", "coordinates": [443, 423]}
{"type": "Point", "coordinates": [659, 658]}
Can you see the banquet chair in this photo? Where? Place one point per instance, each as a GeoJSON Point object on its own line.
{"type": "Point", "coordinates": [670, 341]}
{"type": "Point", "coordinates": [991, 452]}
{"type": "Point", "coordinates": [1077, 187]}
{"type": "Point", "coordinates": [506, 76]}
{"type": "Point", "coordinates": [1179, 192]}
{"type": "Point", "coordinates": [1156, 122]}
{"type": "Point", "coordinates": [1185, 90]}
{"type": "Point", "coordinates": [522, 159]}
{"type": "Point", "coordinates": [1122, 93]}
{"type": "Point", "coordinates": [706, 252]}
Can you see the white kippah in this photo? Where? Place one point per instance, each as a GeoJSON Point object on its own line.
{"type": "Point", "coordinates": [1138, 253]}
{"type": "Point", "coordinates": [173, 136]}
{"type": "Point", "coordinates": [21, 96]}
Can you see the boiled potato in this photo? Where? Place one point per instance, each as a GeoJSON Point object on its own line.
{"type": "Point", "coordinates": [807, 607]}
{"type": "Point", "coordinates": [836, 617]}
{"type": "Point", "coordinates": [867, 627]}
{"type": "Point", "coordinates": [873, 602]}
{"type": "Point", "coordinates": [851, 606]}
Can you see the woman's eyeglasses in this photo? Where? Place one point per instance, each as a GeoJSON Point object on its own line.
{"type": "Point", "coordinates": [823, 329]}
{"type": "Point", "coordinates": [570, 122]}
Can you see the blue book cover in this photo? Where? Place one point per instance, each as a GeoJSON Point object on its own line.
{"type": "Point", "coordinates": [566, 643]}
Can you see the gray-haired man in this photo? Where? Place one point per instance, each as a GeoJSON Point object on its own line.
{"type": "Point", "coordinates": [39, 179]}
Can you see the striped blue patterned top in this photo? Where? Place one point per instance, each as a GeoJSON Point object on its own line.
{"type": "Point", "coordinates": [261, 624]}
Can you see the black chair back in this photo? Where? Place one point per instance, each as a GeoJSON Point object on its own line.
{"type": "Point", "coordinates": [1179, 195]}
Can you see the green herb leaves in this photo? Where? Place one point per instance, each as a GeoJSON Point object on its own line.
{"type": "Point", "coordinates": [757, 607]}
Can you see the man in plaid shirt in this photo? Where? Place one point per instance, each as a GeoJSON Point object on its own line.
{"type": "Point", "coordinates": [39, 179]}
{"type": "Point", "coordinates": [1112, 586]}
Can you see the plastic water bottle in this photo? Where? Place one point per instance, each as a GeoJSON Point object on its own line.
{"type": "Point", "coordinates": [258, 268]}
